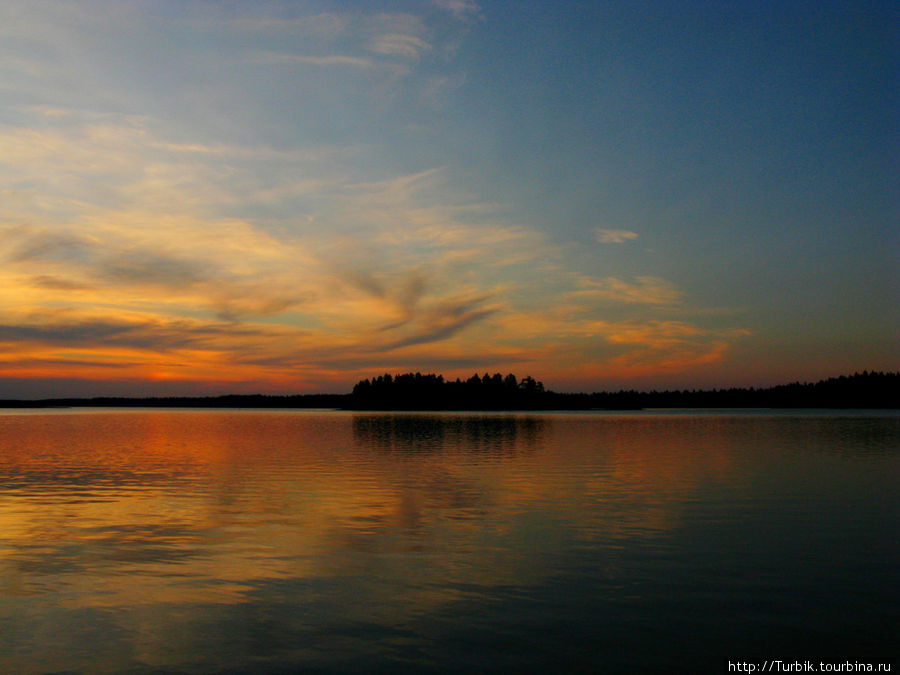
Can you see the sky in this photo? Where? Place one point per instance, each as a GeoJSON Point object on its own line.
{"type": "Point", "coordinates": [204, 197]}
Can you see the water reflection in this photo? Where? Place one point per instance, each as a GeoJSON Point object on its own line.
{"type": "Point", "coordinates": [204, 541]}
{"type": "Point", "coordinates": [489, 434]}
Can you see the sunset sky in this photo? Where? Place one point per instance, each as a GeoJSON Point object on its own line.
{"type": "Point", "coordinates": [202, 197]}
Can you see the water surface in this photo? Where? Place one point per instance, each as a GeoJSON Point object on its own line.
{"type": "Point", "coordinates": [200, 541]}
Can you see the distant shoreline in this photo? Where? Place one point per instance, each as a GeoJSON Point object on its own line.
{"type": "Point", "coordinates": [858, 391]}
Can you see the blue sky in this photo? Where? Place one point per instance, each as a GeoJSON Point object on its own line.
{"type": "Point", "coordinates": [204, 197]}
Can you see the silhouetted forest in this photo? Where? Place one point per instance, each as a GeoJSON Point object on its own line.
{"type": "Point", "coordinates": [415, 391]}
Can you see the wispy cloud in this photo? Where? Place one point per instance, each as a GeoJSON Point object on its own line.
{"type": "Point", "coordinates": [435, 319]}
{"type": "Point", "coordinates": [326, 25]}
{"type": "Point", "coordinates": [614, 236]}
{"type": "Point", "coordinates": [398, 44]}
{"type": "Point", "coordinates": [645, 290]}
{"type": "Point", "coordinates": [69, 329]}
{"type": "Point", "coordinates": [57, 284]}
{"type": "Point", "coordinates": [351, 40]}
{"type": "Point", "coordinates": [327, 61]}
{"type": "Point", "coordinates": [459, 8]}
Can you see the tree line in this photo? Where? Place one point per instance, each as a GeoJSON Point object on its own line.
{"type": "Point", "coordinates": [415, 391]}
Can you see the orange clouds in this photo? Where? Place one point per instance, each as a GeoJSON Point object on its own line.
{"type": "Point", "coordinates": [138, 268]}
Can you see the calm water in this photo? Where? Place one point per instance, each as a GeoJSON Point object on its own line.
{"type": "Point", "coordinates": [198, 541]}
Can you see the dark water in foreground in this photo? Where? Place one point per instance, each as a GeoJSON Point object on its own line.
{"type": "Point", "coordinates": [199, 541]}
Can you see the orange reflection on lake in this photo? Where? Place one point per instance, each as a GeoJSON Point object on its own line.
{"type": "Point", "coordinates": [147, 520]}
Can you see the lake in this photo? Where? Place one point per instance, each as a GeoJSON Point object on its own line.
{"type": "Point", "coordinates": [325, 541]}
